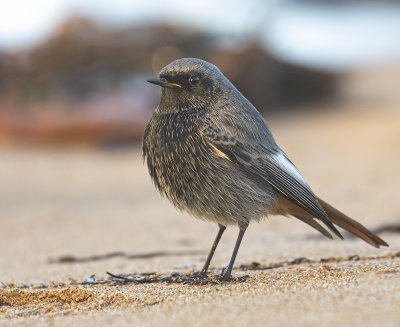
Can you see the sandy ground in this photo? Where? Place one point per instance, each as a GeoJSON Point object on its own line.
{"type": "Point", "coordinates": [69, 214]}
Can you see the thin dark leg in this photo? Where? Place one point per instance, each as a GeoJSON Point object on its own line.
{"type": "Point", "coordinates": [227, 276]}
{"type": "Point", "coordinates": [211, 253]}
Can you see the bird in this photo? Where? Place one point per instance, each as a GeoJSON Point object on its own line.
{"type": "Point", "coordinates": [211, 154]}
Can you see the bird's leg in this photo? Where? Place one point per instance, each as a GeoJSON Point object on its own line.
{"type": "Point", "coordinates": [242, 228]}
{"type": "Point", "coordinates": [214, 246]}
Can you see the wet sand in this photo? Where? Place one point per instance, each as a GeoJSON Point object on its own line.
{"type": "Point", "coordinates": [68, 214]}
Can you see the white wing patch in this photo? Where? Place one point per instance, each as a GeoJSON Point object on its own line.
{"type": "Point", "coordinates": [284, 163]}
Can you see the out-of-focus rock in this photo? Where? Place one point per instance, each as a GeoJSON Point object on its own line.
{"type": "Point", "coordinates": [87, 74]}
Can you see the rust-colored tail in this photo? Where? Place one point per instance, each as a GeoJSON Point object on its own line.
{"type": "Point", "coordinates": [352, 226]}
{"type": "Point", "coordinates": [286, 207]}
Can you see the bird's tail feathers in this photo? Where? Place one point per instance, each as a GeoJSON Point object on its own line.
{"type": "Point", "coordinates": [352, 226]}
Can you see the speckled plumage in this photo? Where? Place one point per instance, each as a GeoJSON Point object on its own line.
{"type": "Point", "coordinates": [210, 152]}
{"type": "Point", "coordinates": [190, 173]}
{"type": "Point", "coordinates": [187, 169]}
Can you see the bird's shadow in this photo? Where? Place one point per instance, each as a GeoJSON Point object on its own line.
{"type": "Point", "coordinates": [120, 254]}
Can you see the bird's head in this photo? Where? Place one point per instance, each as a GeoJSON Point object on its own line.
{"type": "Point", "coordinates": [188, 83]}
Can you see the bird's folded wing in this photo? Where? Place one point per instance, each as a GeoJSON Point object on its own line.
{"type": "Point", "coordinates": [270, 165]}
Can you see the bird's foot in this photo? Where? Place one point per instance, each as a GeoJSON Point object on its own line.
{"type": "Point", "coordinates": [226, 277]}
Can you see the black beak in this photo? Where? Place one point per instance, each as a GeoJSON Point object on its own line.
{"type": "Point", "coordinates": [163, 82]}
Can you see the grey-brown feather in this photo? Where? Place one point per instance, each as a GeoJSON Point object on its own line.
{"type": "Point", "coordinates": [210, 152]}
{"type": "Point", "coordinates": [258, 161]}
{"type": "Point", "coordinates": [189, 172]}
{"type": "Point", "coordinates": [179, 147]}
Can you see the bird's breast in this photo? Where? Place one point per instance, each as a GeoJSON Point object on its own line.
{"type": "Point", "coordinates": [194, 176]}
{"type": "Point", "coordinates": [176, 152]}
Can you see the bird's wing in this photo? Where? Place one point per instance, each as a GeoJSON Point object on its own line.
{"type": "Point", "coordinates": [272, 166]}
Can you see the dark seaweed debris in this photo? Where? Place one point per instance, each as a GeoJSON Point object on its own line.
{"type": "Point", "coordinates": [176, 278]}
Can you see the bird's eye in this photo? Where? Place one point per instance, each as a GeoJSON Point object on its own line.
{"type": "Point", "coordinates": [194, 80]}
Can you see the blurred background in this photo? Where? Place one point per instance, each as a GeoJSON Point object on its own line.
{"type": "Point", "coordinates": [74, 72]}
{"type": "Point", "coordinates": [74, 103]}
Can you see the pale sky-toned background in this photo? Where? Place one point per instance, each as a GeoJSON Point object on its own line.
{"type": "Point", "coordinates": [338, 37]}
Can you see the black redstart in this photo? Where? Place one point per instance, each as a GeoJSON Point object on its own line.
{"type": "Point", "coordinates": [210, 152]}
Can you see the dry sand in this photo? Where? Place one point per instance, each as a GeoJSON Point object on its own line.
{"type": "Point", "coordinates": [68, 214]}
